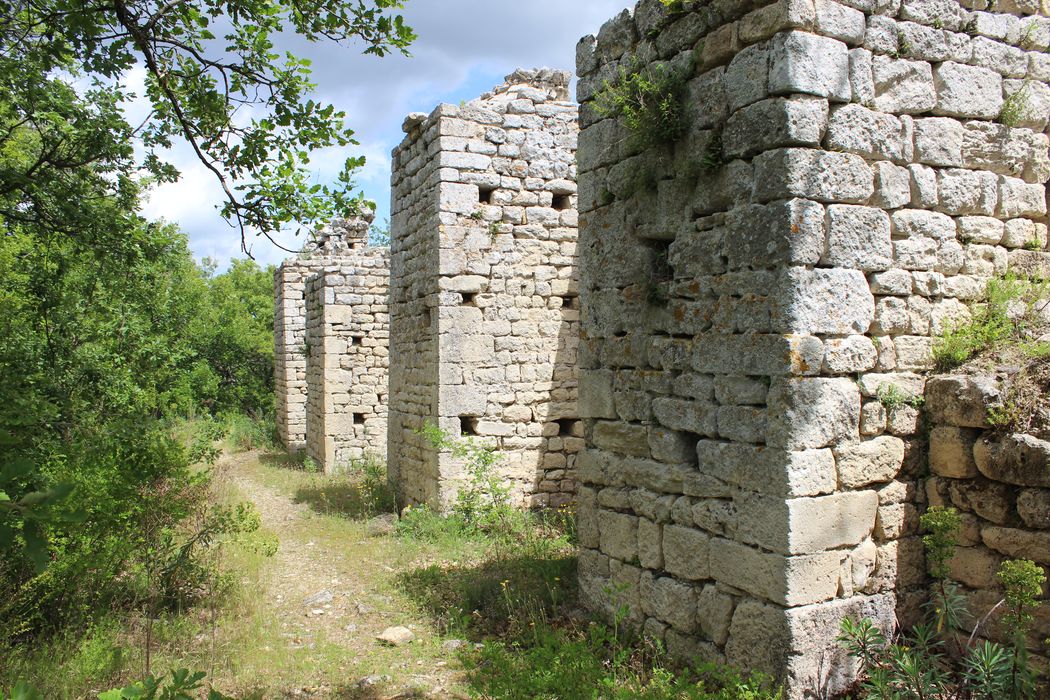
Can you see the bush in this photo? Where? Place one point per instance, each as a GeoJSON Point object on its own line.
{"type": "Point", "coordinates": [649, 101]}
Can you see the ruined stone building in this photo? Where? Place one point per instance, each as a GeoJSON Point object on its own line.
{"type": "Point", "coordinates": [848, 178]}
{"type": "Point", "coordinates": [484, 309]}
{"type": "Point", "coordinates": [331, 332]}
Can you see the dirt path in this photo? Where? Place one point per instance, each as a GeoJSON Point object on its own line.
{"type": "Point", "coordinates": [324, 597]}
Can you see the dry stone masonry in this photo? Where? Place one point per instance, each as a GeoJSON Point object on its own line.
{"type": "Point", "coordinates": [851, 176]}
{"type": "Point", "coordinates": [484, 313]}
{"type": "Point", "coordinates": [332, 336]}
{"type": "Point", "coordinates": [1000, 482]}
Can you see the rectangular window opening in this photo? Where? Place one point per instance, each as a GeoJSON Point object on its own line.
{"type": "Point", "coordinates": [485, 194]}
{"type": "Point", "coordinates": [565, 426]}
{"type": "Point", "coordinates": [468, 299]}
{"type": "Point", "coordinates": [468, 425]}
{"type": "Point", "coordinates": [359, 419]}
{"type": "Point", "coordinates": [569, 302]}
{"type": "Point", "coordinates": [562, 202]}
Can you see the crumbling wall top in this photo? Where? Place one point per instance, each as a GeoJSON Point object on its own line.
{"type": "Point", "coordinates": [340, 236]}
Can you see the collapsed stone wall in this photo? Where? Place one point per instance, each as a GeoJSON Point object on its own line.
{"type": "Point", "coordinates": [484, 320]}
{"type": "Point", "coordinates": [1000, 483]}
{"type": "Point", "coordinates": [347, 338]}
{"type": "Point", "coordinates": [336, 374]}
{"type": "Point", "coordinates": [844, 188]}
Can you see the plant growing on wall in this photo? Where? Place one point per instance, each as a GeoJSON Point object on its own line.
{"type": "Point", "coordinates": [932, 660]}
{"type": "Point", "coordinates": [649, 102]}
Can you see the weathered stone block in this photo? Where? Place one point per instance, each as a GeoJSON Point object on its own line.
{"type": "Point", "coordinates": [833, 301]}
{"type": "Point", "coordinates": [1018, 459]}
{"type": "Point", "coordinates": [812, 174]}
{"type": "Point", "coordinates": [859, 238]}
{"type": "Point", "coordinates": [812, 413]}
{"type": "Point", "coordinates": [951, 452]}
{"type": "Point", "coordinates": [961, 400]}
{"type": "Point", "coordinates": [968, 91]}
{"type": "Point", "coordinates": [779, 233]}
{"type": "Point", "coordinates": [902, 86]}
{"type": "Point", "coordinates": [869, 462]}
{"type": "Point", "coordinates": [686, 552]}
{"type": "Point", "coordinates": [774, 123]}
{"type": "Point", "coordinates": [810, 64]}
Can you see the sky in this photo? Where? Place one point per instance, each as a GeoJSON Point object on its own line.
{"type": "Point", "coordinates": [465, 47]}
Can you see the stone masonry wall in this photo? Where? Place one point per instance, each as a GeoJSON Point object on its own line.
{"type": "Point", "coordinates": [342, 245]}
{"type": "Point", "coordinates": [347, 338]}
{"type": "Point", "coordinates": [1000, 483]}
{"type": "Point", "coordinates": [484, 320]}
{"type": "Point", "coordinates": [844, 188]}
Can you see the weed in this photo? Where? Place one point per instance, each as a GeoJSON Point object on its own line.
{"type": "Point", "coordinates": [893, 397]}
{"type": "Point", "coordinates": [1005, 415]}
{"type": "Point", "coordinates": [1027, 39]}
{"type": "Point", "coordinates": [712, 156]}
{"type": "Point", "coordinates": [311, 466]}
{"type": "Point", "coordinates": [1033, 244]}
{"type": "Point", "coordinates": [649, 101]}
{"type": "Point", "coordinates": [992, 322]}
{"type": "Point", "coordinates": [1015, 106]}
{"type": "Point", "coordinates": [477, 215]}
{"type": "Point", "coordinates": [904, 47]}
{"type": "Point", "coordinates": [494, 229]}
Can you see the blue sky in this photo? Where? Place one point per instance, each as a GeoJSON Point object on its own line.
{"type": "Point", "coordinates": [465, 47]}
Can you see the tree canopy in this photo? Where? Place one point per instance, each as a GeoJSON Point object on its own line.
{"type": "Point", "coordinates": [215, 80]}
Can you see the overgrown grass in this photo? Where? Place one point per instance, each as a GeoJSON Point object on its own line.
{"type": "Point", "coordinates": [1003, 316]}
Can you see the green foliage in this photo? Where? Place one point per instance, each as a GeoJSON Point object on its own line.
{"type": "Point", "coordinates": [64, 65]}
{"type": "Point", "coordinates": [379, 234]}
{"type": "Point", "coordinates": [377, 495]}
{"type": "Point", "coordinates": [1002, 317]}
{"type": "Point", "coordinates": [892, 397]}
{"type": "Point", "coordinates": [1023, 582]}
{"type": "Point", "coordinates": [649, 101]}
{"type": "Point", "coordinates": [1015, 105]}
{"type": "Point", "coordinates": [930, 662]}
{"type": "Point", "coordinates": [183, 685]}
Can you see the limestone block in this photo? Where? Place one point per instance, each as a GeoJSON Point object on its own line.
{"type": "Point", "coordinates": [951, 452]}
{"type": "Point", "coordinates": [757, 354]}
{"type": "Point", "coordinates": [916, 223]}
{"type": "Point", "coordinates": [840, 22]}
{"type": "Point", "coordinates": [1033, 505]}
{"type": "Point", "coordinates": [1018, 544]}
{"type": "Point", "coordinates": [855, 353]}
{"type": "Point", "coordinates": [857, 129]}
{"type": "Point", "coordinates": [686, 552]}
{"type": "Point", "coordinates": [967, 191]}
{"type": "Point", "coordinates": [1018, 198]}
{"type": "Point", "coordinates": [859, 238]}
{"type": "Point", "coordinates": [774, 123]}
{"type": "Point", "coordinates": [706, 99]}
{"type": "Point", "coordinates": [967, 91]}
{"type": "Point", "coordinates": [892, 185]}
{"type": "Point", "coordinates": [764, 22]}
{"type": "Point", "coordinates": [961, 400]}
{"type": "Point", "coordinates": [869, 462]}
{"type": "Point", "coordinates": [742, 423]}
{"type": "Point", "coordinates": [982, 229]}
{"type": "Point", "coordinates": [1032, 101]}
{"type": "Point", "coordinates": [671, 446]}
{"type": "Point", "coordinates": [939, 141]}
{"type": "Point", "coordinates": [809, 64]}
{"type": "Point", "coordinates": [819, 175]}
{"type": "Point", "coordinates": [650, 544]}
{"type": "Point", "coordinates": [1018, 459]}
{"type": "Point", "coordinates": [618, 534]}
{"type": "Point", "coordinates": [739, 390]}
{"type": "Point", "coordinates": [1017, 233]}
{"type": "Point", "coordinates": [690, 416]}
{"type": "Point", "coordinates": [766, 470]}
{"type": "Point", "coordinates": [669, 600]}
{"type": "Point", "coordinates": [623, 438]}
{"type": "Point", "coordinates": [902, 86]}
{"type": "Point", "coordinates": [1030, 263]}
{"type": "Point", "coordinates": [596, 394]}
{"type": "Point", "coordinates": [747, 77]}
{"type": "Point", "coordinates": [991, 501]}
{"type": "Point", "coordinates": [796, 580]}
{"type": "Point", "coordinates": [861, 80]}
{"type": "Point", "coordinates": [872, 418]}
{"type": "Point", "coordinates": [715, 613]}
{"type": "Point", "coordinates": [812, 412]}
{"type": "Point", "coordinates": [833, 301]}
{"type": "Point", "coordinates": [779, 233]}
{"type": "Point", "coordinates": [923, 186]}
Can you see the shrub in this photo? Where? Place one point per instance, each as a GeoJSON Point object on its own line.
{"type": "Point", "coordinates": [649, 101]}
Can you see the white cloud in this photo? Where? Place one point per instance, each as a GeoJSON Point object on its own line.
{"type": "Point", "coordinates": [463, 45]}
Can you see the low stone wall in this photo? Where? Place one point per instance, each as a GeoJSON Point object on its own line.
{"type": "Point", "coordinates": [1000, 483]}
{"type": "Point", "coordinates": [347, 338]}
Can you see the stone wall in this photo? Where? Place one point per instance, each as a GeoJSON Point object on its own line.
{"type": "Point", "coordinates": [844, 188]}
{"type": "Point", "coordinates": [345, 375]}
{"type": "Point", "coordinates": [347, 338]}
{"type": "Point", "coordinates": [484, 320]}
{"type": "Point", "coordinates": [1000, 483]}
